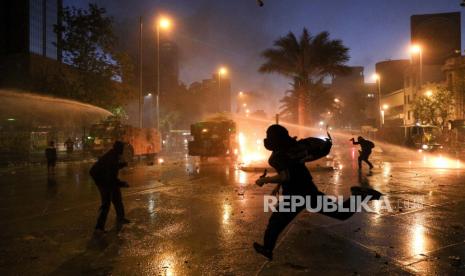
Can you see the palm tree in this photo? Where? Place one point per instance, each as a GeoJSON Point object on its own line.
{"type": "Point", "coordinates": [307, 61]}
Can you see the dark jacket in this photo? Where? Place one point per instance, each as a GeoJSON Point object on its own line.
{"type": "Point", "coordinates": [366, 145]}
{"type": "Point", "coordinates": [51, 153]}
{"type": "Point", "coordinates": [300, 180]}
{"type": "Point", "coordinates": [105, 170]}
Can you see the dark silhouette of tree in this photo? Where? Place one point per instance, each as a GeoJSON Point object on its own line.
{"type": "Point", "coordinates": [307, 60]}
{"type": "Point", "coordinates": [102, 75]}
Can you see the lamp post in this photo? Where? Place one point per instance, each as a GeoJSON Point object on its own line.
{"type": "Point", "coordinates": [162, 23]}
{"type": "Point", "coordinates": [416, 49]}
{"type": "Point", "coordinates": [140, 71]}
{"type": "Point", "coordinates": [377, 78]}
{"type": "Point", "coordinates": [222, 71]}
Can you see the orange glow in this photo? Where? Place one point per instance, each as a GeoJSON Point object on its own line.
{"type": "Point", "coordinates": [415, 49]}
{"type": "Point", "coordinates": [251, 150]}
{"type": "Point", "coordinates": [222, 71]}
{"type": "Point", "coordinates": [164, 23]}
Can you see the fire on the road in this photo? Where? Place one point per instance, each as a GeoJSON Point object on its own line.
{"type": "Point", "coordinates": [251, 149]}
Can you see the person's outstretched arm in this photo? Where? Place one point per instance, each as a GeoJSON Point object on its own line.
{"type": "Point", "coordinates": [353, 142]}
{"type": "Point", "coordinates": [279, 178]}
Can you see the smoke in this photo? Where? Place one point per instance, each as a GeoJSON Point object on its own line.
{"type": "Point", "coordinates": [208, 33]}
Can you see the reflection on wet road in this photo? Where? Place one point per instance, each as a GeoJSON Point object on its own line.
{"type": "Point", "coordinates": [192, 218]}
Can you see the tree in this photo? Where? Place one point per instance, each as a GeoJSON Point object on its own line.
{"type": "Point", "coordinates": [89, 46]}
{"type": "Point", "coordinates": [307, 61]}
{"type": "Point", "coordinates": [434, 106]}
{"type": "Point", "coordinates": [315, 98]}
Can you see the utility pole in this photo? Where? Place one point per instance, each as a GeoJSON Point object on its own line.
{"type": "Point", "coordinates": [140, 71]}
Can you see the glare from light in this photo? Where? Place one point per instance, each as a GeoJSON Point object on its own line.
{"type": "Point", "coordinates": [376, 77]}
{"type": "Point", "coordinates": [336, 100]}
{"type": "Point", "coordinates": [222, 71]}
{"type": "Point", "coordinates": [415, 49]}
{"type": "Point", "coordinates": [164, 23]}
{"type": "Point", "coordinates": [385, 107]}
{"type": "Point", "coordinates": [429, 93]}
{"type": "Point", "coordinates": [161, 161]}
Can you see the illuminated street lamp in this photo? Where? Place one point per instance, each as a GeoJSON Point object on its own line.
{"type": "Point", "coordinates": [336, 100]}
{"type": "Point", "coordinates": [163, 23]}
{"type": "Point", "coordinates": [222, 71]}
{"type": "Point", "coordinates": [429, 93]}
{"type": "Point", "coordinates": [416, 49]}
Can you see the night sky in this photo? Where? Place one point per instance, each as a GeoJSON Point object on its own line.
{"type": "Point", "coordinates": [233, 32]}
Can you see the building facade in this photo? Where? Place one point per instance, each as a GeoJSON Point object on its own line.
{"type": "Point", "coordinates": [438, 35]}
{"type": "Point", "coordinates": [28, 39]}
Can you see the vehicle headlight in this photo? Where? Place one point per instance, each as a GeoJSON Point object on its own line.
{"type": "Point", "coordinates": [425, 147]}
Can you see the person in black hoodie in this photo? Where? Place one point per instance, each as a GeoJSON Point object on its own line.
{"type": "Point", "coordinates": [364, 154]}
{"type": "Point", "coordinates": [51, 156]}
{"type": "Point", "coordinates": [295, 180]}
{"type": "Point", "coordinates": [105, 174]}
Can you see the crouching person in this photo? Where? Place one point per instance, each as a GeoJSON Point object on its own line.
{"type": "Point", "coordinates": [105, 174]}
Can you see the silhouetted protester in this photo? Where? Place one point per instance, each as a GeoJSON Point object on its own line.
{"type": "Point", "coordinates": [69, 145]}
{"type": "Point", "coordinates": [364, 154]}
{"type": "Point", "coordinates": [105, 174]}
{"type": "Point", "coordinates": [296, 180]}
{"type": "Point", "coordinates": [51, 156]}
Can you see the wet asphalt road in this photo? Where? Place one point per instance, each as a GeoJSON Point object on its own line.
{"type": "Point", "coordinates": [194, 219]}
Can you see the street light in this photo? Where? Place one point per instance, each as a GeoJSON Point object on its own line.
{"type": "Point", "coordinates": [416, 49]}
{"type": "Point", "coordinates": [429, 93]}
{"type": "Point", "coordinates": [336, 100]}
{"type": "Point", "coordinates": [377, 78]}
{"type": "Point", "coordinates": [222, 71]}
{"type": "Point", "coordinates": [162, 23]}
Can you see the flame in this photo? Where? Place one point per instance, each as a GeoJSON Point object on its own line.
{"type": "Point", "coordinates": [250, 152]}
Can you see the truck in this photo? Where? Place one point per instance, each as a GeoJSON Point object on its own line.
{"type": "Point", "coordinates": [213, 138]}
{"type": "Point", "coordinates": [140, 141]}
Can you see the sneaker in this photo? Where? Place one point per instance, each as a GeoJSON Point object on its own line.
{"type": "Point", "coordinates": [260, 249]}
{"type": "Point", "coordinates": [363, 191]}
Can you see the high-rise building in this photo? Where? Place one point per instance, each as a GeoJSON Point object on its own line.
{"type": "Point", "coordinates": [27, 26]}
{"type": "Point", "coordinates": [28, 42]}
{"type": "Point", "coordinates": [391, 74]}
{"type": "Point", "coordinates": [438, 36]}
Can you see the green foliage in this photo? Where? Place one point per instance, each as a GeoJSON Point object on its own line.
{"type": "Point", "coordinates": [102, 75]}
{"type": "Point", "coordinates": [315, 97]}
{"type": "Point", "coordinates": [434, 106]}
{"type": "Point", "coordinates": [307, 60]}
